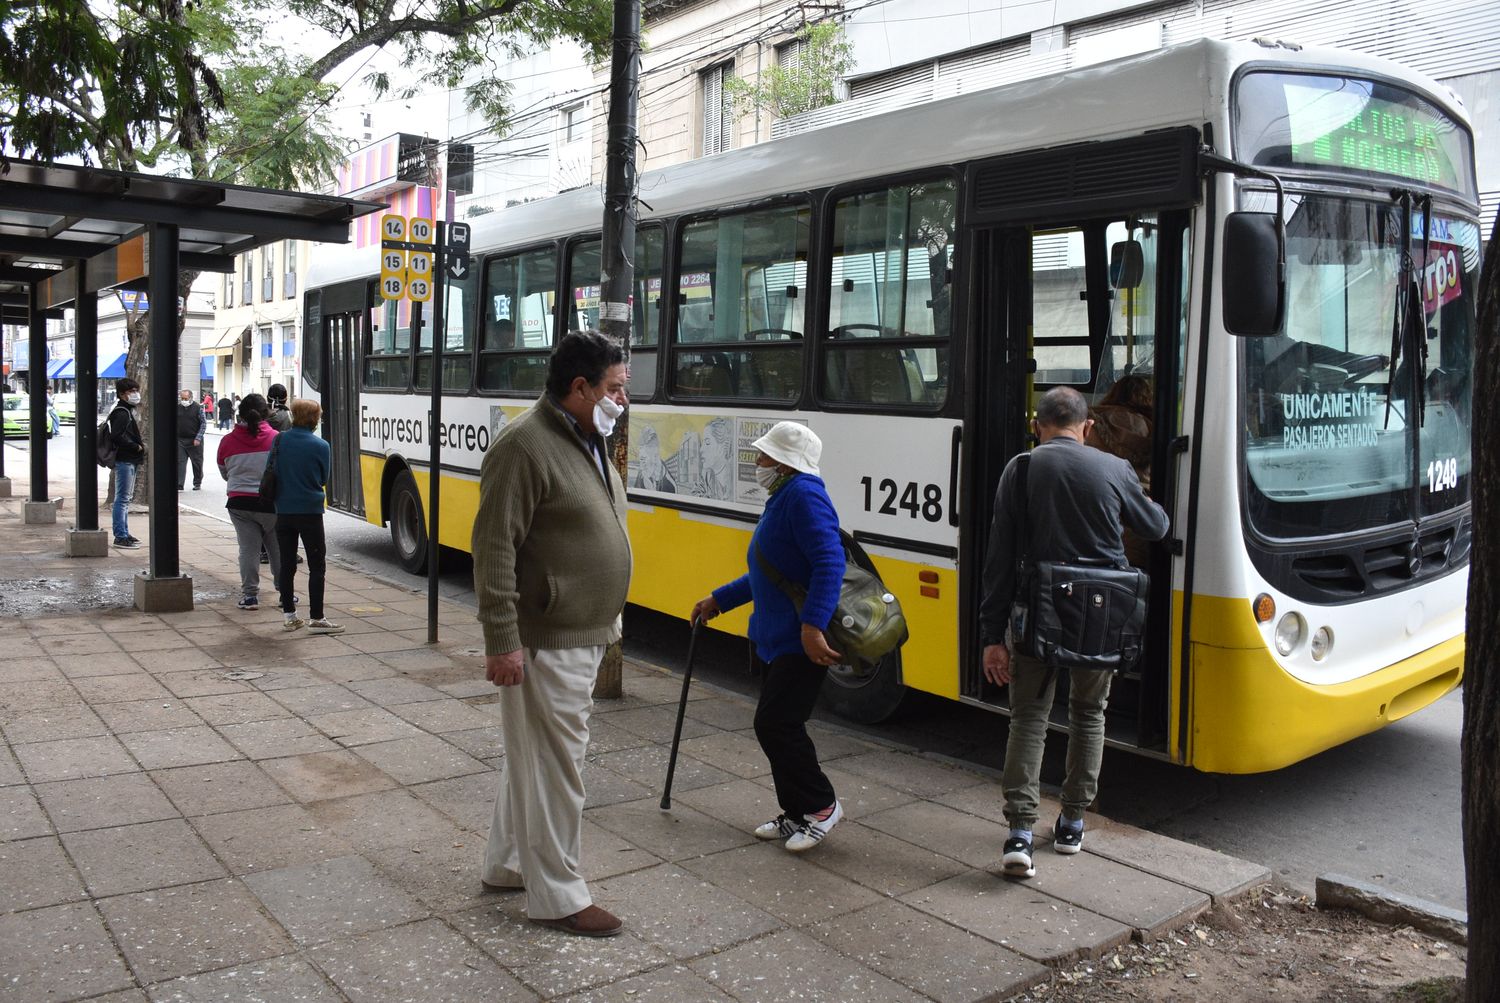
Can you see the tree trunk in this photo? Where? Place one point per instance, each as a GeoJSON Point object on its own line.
{"type": "Point", "coordinates": [1481, 734]}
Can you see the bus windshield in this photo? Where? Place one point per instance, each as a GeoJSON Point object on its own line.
{"type": "Point", "coordinates": [1337, 439]}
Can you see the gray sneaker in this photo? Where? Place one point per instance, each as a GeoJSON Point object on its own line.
{"type": "Point", "coordinates": [324, 626]}
{"type": "Point", "coordinates": [293, 623]}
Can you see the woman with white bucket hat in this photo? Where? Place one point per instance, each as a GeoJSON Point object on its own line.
{"type": "Point", "coordinates": [796, 540]}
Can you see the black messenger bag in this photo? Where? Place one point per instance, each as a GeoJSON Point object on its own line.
{"type": "Point", "coordinates": [1082, 614]}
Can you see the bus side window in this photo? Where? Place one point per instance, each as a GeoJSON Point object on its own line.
{"type": "Point", "coordinates": [519, 294]}
{"type": "Point", "coordinates": [741, 295]}
{"type": "Point", "coordinates": [388, 360]}
{"type": "Point", "coordinates": [890, 296]}
{"type": "Point", "coordinates": [583, 307]}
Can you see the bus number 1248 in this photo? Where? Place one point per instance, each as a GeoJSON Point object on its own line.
{"type": "Point", "coordinates": [915, 499]}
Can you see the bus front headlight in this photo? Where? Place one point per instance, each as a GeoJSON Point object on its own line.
{"type": "Point", "coordinates": [1322, 643]}
{"type": "Point", "coordinates": [1288, 633]}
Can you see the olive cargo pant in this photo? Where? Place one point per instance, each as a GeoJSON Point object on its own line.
{"type": "Point", "coordinates": [1032, 686]}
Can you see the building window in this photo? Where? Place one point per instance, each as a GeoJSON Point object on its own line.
{"type": "Point", "coordinates": [268, 276]}
{"type": "Point", "coordinates": [789, 54]}
{"type": "Point", "coordinates": [573, 123]}
{"type": "Point", "coordinates": [289, 279]}
{"type": "Point", "coordinates": [267, 348]}
{"type": "Point", "coordinates": [247, 294]}
{"type": "Point", "coordinates": [718, 124]}
{"type": "Point", "coordinates": [229, 290]}
{"type": "Point", "coordinates": [288, 344]}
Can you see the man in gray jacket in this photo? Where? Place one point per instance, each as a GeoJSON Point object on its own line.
{"type": "Point", "coordinates": [551, 572]}
{"type": "Point", "coordinates": [1078, 499]}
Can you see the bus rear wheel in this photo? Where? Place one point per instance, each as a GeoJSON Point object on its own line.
{"type": "Point", "coordinates": [865, 694]}
{"type": "Point", "coordinates": [408, 524]}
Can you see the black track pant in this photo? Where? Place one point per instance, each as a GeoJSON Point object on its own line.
{"type": "Point", "coordinates": [310, 529]}
{"type": "Point", "coordinates": [787, 695]}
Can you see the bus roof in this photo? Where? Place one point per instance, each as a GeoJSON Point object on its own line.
{"type": "Point", "coordinates": [1185, 84]}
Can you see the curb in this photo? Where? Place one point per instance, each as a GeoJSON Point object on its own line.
{"type": "Point", "coordinates": [1339, 891]}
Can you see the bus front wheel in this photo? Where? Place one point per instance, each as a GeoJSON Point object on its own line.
{"type": "Point", "coordinates": [408, 524]}
{"type": "Point", "coordinates": [865, 694]}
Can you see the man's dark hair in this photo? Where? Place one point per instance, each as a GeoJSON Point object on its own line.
{"type": "Point", "coordinates": [581, 353]}
{"type": "Point", "coordinates": [277, 392]}
{"type": "Point", "coordinates": [1062, 407]}
{"type": "Point", "coordinates": [124, 385]}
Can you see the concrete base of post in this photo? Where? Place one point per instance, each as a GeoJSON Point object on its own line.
{"type": "Point", "coordinates": [4, 487]}
{"type": "Point", "coordinates": [41, 513]}
{"type": "Point", "coordinates": [85, 542]}
{"type": "Point", "coordinates": [163, 595]}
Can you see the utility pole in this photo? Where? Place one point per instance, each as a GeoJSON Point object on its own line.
{"type": "Point", "coordinates": [617, 270]}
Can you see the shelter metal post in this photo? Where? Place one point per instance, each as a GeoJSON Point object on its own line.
{"type": "Point", "coordinates": [86, 404]}
{"type": "Point", "coordinates": [36, 386]}
{"type": "Point", "coordinates": [161, 378]}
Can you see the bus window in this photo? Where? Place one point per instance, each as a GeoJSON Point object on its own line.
{"type": "Point", "coordinates": [458, 338]}
{"type": "Point", "coordinates": [583, 307]}
{"type": "Point", "coordinates": [519, 294]}
{"type": "Point", "coordinates": [1059, 309]}
{"type": "Point", "coordinates": [741, 295]}
{"type": "Point", "coordinates": [890, 294]}
{"type": "Point", "coordinates": [388, 361]}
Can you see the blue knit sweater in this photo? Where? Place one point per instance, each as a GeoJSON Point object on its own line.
{"type": "Point", "coordinates": [302, 462]}
{"type": "Point", "coordinates": [798, 534]}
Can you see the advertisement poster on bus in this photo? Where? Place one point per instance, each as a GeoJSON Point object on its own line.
{"type": "Point", "coordinates": [697, 455]}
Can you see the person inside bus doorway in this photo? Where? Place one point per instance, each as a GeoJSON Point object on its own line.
{"type": "Point", "coordinates": [281, 416]}
{"type": "Point", "coordinates": [1078, 503]}
{"type": "Point", "coordinates": [796, 538]}
{"type": "Point", "coordinates": [551, 571]}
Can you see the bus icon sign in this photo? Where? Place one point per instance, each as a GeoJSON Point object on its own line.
{"type": "Point", "coordinates": [458, 236]}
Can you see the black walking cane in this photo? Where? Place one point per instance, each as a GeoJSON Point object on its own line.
{"type": "Point", "coordinates": [687, 680]}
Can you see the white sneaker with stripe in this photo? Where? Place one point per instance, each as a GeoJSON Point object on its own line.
{"type": "Point", "coordinates": [812, 830]}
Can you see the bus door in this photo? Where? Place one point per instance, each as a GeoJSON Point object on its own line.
{"type": "Point", "coordinates": [1096, 305]}
{"type": "Point", "coordinates": [343, 334]}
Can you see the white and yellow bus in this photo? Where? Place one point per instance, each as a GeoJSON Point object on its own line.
{"type": "Point", "coordinates": [907, 284]}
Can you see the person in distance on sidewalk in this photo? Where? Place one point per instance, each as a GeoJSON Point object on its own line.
{"type": "Point", "coordinates": [798, 536]}
{"type": "Point", "coordinates": [192, 426]}
{"type": "Point", "coordinates": [242, 462]}
{"type": "Point", "coordinates": [302, 464]}
{"type": "Point", "coordinates": [551, 571]}
{"type": "Point", "coordinates": [130, 454]}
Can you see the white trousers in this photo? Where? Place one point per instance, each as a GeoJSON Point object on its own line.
{"type": "Point", "coordinates": [536, 834]}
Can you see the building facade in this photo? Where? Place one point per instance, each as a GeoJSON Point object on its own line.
{"type": "Point", "coordinates": [256, 335]}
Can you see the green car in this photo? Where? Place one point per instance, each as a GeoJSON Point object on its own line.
{"type": "Point", "coordinates": [17, 416]}
{"type": "Point", "coordinates": [66, 407]}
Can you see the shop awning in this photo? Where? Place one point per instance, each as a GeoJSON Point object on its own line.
{"type": "Point", "coordinates": [114, 371]}
{"type": "Point", "coordinates": [64, 371]}
{"type": "Point", "coordinates": [56, 366]}
{"type": "Point", "coordinates": [227, 341]}
{"type": "Point", "coordinates": [206, 369]}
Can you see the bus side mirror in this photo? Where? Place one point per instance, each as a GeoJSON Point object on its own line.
{"type": "Point", "coordinates": [1254, 274]}
{"type": "Point", "coordinates": [1127, 264]}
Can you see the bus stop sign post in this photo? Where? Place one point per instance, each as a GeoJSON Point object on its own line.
{"type": "Point", "coordinates": [435, 456]}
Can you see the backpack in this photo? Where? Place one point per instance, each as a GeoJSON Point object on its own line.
{"type": "Point", "coordinates": [105, 449]}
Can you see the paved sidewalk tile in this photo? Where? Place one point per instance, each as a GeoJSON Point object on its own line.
{"type": "Point", "coordinates": [440, 872]}
{"type": "Point", "coordinates": [71, 758]}
{"type": "Point", "coordinates": [236, 708]}
{"type": "Point", "coordinates": [62, 952]}
{"type": "Point", "coordinates": [734, 753]}
{"type": "Point", "coordinates": [444, 715]}
{"type": "Point", "coordinates": [531, 952]}
{"type": "Point", "coordinates": [159, 750]}
{"type": "Point", "coordinates": [909, 773]}
{"type": "Point", "coordinates": [943, 962]}
{"type": "Point", "coordinates": [1019, 917]}
{"type": "Point", "coordinates": [792, 965]}
{"type": "Point", "coordinates": [682, 832]}
{"type": "Point", "coordinates": [884, 863]}
{"type": "Point", "coordinates": [52, 724]}
{"type": "Point", "coordinates": [469, 800]}
{"type": "Point", "coordinates": [122, 689]}
{"type": "Point", "coordinates": [10, 770]}
{"type": "Point", "coordinates": [326, 698]}
{"type": "Point", "coordinates": [424, 961]}
{"type": "Point", "coordinates": [322, 775]}
{"type": "Point", "coordinates": [1195, 866]}
{"type": "Point", "coordinates": [277, 980]}
{"type": "Point", "coordinates": [647, 765]}
{"type": "Point", "coordinates": [420, 759]}
{"type": "Point", "coordinates": [100, 802]}
{"type": "Point", "coordinates": [334, 898]}
{"type": "Point", "coordinates": [794, 890]}
{"type": "Point", "coordinates": [267, 839]}
{"type": "Point", "coordinates": [680, 912]}
{"type": "Point", "coordinates": [219, 787]}
{"type": "Point", "coordinates": [277, 738]}
{"type": "Point", "coordinates": [363, 727]}
{"type": "Point", "coordinates": [740, 804]}
{"type": "Point", "coordinates": [676, 984]}
{"type": "Point", "coordinates": [383, 819]}
{"type": "Point", "coordinates": [170, 932]}
{"type": "Point", "coordinates": [37, 873]}
{"type": "Point", "coordinates": [133, 858]}
{"type": "Point", "coordinates": [977, 842]}
{"type": "Point", "coordinates": [1138, 899]}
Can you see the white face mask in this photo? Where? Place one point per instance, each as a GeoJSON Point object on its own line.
{"type": "Point", "coordinates": [186, 403]}
{"type": "Point", "coordinates": [767, 476]}
{"type": "Point", "coordinates": [606, 412]}
{"type": "Point", "coordinates": [132, 398]}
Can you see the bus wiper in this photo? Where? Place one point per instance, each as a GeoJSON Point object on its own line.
{"type": "Point", "coordinates": [1409, 321]}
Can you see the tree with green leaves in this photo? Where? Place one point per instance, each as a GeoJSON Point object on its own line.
{"type": "Point", "coordinates": [823, 56]}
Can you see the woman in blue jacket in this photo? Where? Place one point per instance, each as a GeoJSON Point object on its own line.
{"type": "Point", "coordinates": [798, 537]}
{"type": "Point", "coordinates": [302, 460]}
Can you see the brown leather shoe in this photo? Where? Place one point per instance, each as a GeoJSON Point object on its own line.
{"type": "Point", "coordinates": [590, 921]}
{"type": "Point", "coordinates": [500, 888]}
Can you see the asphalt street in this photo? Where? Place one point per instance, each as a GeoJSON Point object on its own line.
{"type": "Point", "coordinates": [1384, 808]}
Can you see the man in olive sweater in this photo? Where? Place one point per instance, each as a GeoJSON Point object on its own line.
{"type": "Point", "coordinates": [551, 570]}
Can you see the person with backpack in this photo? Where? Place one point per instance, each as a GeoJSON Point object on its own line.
{"type": "Point", "coordinates": [796, 540]}
{"type": "Point", "coordinates": [281, 416]}
{"type": "Point", "coordinates": [243, 455]}
{"type": "Point", "coordinates": [122, 433]}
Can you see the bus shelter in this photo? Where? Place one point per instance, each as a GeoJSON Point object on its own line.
{"type": "Point", "coordinates": [68, 233]}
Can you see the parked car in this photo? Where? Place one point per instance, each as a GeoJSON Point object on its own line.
{"type": "Point", "coordinates": [66, 405]}
{"type": "Point", "coordinates": [17, 416]}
